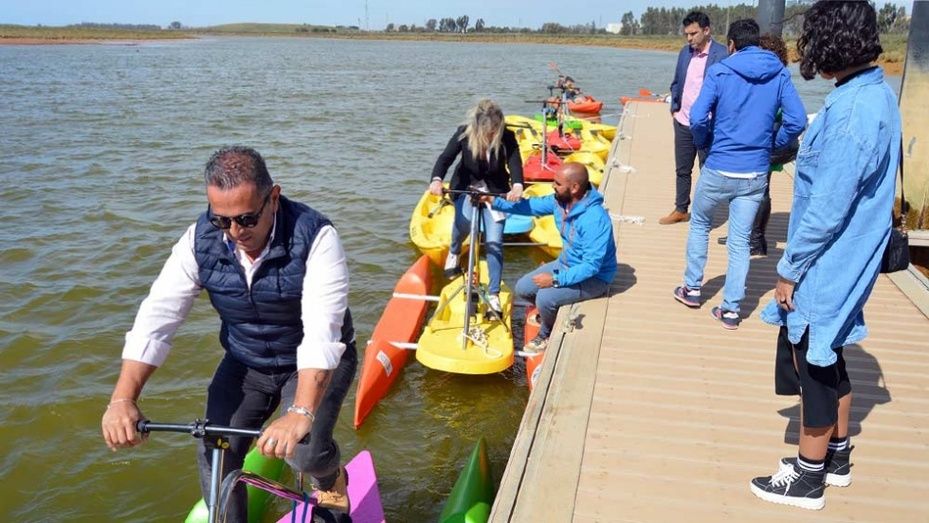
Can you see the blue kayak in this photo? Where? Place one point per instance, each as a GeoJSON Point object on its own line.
{"type": "Point", "coordinates": [517, 224]}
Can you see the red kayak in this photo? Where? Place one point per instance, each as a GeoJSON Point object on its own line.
{"type": "Point", "coordinates": [401, 321]}
{"type": "Point", "coordinates": [534, 171]}
{"type": "Point", "coordinates": [567, 142]}
{"type": "Point", "coordinates": [533, 363]}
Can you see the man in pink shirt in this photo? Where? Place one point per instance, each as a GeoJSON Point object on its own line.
{"type": "Point", "coordinates": [694, 59]}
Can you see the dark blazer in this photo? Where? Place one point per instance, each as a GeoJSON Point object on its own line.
{"type": "Point", "coordinates": [717, 53]}
{"type": "Point", "coordinates": [469, 170]}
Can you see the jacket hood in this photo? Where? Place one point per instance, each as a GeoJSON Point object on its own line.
{"type": "Point", "coordinates": [592, 198]}
{"type": "Point", "coordinates": [754, 64]}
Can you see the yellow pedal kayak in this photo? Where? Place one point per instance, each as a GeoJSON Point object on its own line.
{"type": "Point", "coordinates": [544, 231]}
{"type": "Point", "coordinates": [489, 346]}
{"type": "Point", "coordinates": [431, 226]}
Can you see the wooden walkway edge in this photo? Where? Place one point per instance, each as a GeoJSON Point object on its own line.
{"type": "Point", "coordinates": [648, 411]}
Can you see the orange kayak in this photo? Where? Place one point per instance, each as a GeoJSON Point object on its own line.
{"type": "Point", "coordinates": [401, 321]}
{"type": "Point", "coordinates": [589, 106]}
{"type": "Point", "coordinates": [644, 96]}
{"type": "Point", "coordinates": [533, 363]}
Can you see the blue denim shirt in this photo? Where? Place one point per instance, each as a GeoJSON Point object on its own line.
{"type": "Point", "coordinates": [840, 218]}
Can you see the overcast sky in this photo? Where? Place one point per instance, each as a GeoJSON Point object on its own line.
{"type": "Point", "coordinates": [520, 13]}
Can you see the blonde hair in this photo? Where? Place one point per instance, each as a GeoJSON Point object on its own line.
{"type": "Point", "coordinates": [483, 119]}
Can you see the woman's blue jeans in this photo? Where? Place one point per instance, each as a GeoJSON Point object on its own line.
{"type": "Point", "coordinates": [493, 238]}
{"type": "Point", "coordinates": [744, 197]}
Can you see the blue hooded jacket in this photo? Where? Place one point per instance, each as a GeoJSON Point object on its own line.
{"type": "Point", "coordinates": [588, 249]}
{"type": "Point", "coordinates": [734, 114]}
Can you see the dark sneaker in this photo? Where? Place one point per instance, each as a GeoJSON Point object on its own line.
{"type": "Point", "coordinates": [729, 319]}
{"type": "Point", "coordinates": [838, 467]}
{"type": "Point", "coordinates": [792, 486]}
{"type": "Point", "coordinates": [758, 248]}
{"type": "Point", "coordinates": [536, 345]}
{"type": "Point", "coordinates": [687, 296]}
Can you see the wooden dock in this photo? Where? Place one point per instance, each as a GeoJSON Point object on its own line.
{"type": "Point", "coordinates": [648, 411]}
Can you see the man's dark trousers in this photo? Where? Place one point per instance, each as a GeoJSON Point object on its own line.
{"type": "Point", "coordinates": [685, 152]}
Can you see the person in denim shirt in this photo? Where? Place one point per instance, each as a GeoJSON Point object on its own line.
{"type": "Point", "coordinates": [734, 115]}
{"type": "Point", "coordinates": [839, 226]}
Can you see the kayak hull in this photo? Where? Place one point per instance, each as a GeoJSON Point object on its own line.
{"type": "Point", "coordinates": [401, 321]}
{"type": "Point", "coordinates": [441, 347]}
{"type": "Point", "coordinates": [431, 226]}
{"type": "Point", "coordinates": [363, 494]}
{"type": "Point", "coordinates": [473, 494]}
{"type": "Point", "coordinates": [533, 363]}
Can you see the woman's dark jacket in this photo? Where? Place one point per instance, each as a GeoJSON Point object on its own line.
{"type": "Point", "coordinates": [469, 170]}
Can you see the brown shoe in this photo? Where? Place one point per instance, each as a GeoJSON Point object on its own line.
{"type": "Point", "coordinates": [336, 498]}
{"type": "Point", "coordinates": [676, 216]}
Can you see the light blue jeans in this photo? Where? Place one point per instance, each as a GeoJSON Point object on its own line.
{"type": "Point", "coordinates": [493, 238]}
{"type": "Point", "coordinates": [548, 300]}
{"type": "Point", "coordinates": [744, 197]}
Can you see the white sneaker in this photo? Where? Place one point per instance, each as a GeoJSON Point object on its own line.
{"type": "Point", "coordinates": [494, 301]}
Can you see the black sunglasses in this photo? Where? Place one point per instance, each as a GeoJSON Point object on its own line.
{"type": "Point", "coordinates": [246, 220]}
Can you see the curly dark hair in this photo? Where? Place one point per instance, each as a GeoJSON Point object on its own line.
{"type": "Point", "coordinates": [775, 44]}
{"type": "Point", "coordinates": [837, 35]}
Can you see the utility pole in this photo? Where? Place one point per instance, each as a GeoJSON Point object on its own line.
{"type": "Point", "coordinates": [771, 16]}
{"type": "Point", "coordinates": [367, 27]}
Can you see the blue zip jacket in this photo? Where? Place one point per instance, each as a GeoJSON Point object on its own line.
{"type": "Point", "coordinates": [588, 249]}
{"type": "Point", "coordinates": [840, 218]}
{"type": "Point", "coordinates": [734, 114]}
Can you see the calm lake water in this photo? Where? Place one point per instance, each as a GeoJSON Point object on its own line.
{"type": "Point", "coordinates": [104, 147]}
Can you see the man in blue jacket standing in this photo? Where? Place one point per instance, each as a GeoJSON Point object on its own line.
{"type": "Point", "coordinates": [587, 263]}
{"type": "Point", "coordinates": [734, 116]}
{"type": "Point", "coordinates": [693, 61]}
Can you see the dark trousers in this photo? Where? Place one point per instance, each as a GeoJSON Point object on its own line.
{"type": "Point", "coordinates": [685, 152]}
{"type": "Point", "coordinates": [758, 240]}
{"type": "Point", "coordinates": [240, 396]}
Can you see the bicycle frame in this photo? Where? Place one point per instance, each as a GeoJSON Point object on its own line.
{"type": "Point", "coordinates": [216, 438]}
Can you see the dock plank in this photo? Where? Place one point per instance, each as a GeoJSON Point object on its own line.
{"type": "Point", "coordinates": [680, 414]}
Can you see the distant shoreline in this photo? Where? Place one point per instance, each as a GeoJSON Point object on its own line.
{"type": "Point", "coordinates": [892, 59]}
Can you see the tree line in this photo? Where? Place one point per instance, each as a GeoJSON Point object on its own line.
{"type": "Point", "coordinates": [655, 21]}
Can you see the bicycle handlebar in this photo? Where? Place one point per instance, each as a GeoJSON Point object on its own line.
{"type": "Point", "coordinates": [473, 192]}
{"type": "Point", "coordinates": [198, 429]}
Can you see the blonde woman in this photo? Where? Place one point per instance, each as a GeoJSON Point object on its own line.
{"type": "Point", "coordinates": [490, 160]}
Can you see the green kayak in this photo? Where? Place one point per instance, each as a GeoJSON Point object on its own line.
{"type": "Point", "coordinates": [473, 493]}
{"type": "Point", "coordinates": [570, 123]}
{"type": "Point", "coordinates": [257, 499]}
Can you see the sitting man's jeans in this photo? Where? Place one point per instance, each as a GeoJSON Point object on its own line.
{"type": "Point", "coordinates": [493, 236]}
{"type": "Point", "coordinates": [744, 197]}
{"type": "Point", "coordinates": [548, 300]}
{"type": "Point", "coordinates": [240, 396]}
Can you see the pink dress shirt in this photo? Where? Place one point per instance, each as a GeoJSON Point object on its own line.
{"type": "Point", "coordinates": [692, 84]}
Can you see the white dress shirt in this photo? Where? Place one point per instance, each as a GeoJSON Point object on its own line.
{"type": "Point", "coordinates": [325, 298]}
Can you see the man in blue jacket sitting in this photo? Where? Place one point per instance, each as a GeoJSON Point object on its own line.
{"type": "Point", "coordinates": [587, 262]}
{"type": "Point", "coordinates": [734, 117]}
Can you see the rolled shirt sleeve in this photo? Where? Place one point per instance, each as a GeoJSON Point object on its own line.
{"type": "Point", "coordinates": [166, 306]}
{"type": "Point", "coordinates": [325, 299]}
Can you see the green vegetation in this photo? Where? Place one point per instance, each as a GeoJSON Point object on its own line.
{"type": "Point", "coordinates": [87, 32]}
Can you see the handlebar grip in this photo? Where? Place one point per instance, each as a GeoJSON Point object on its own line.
{"type": "Point", "coordinates": [141, 426]}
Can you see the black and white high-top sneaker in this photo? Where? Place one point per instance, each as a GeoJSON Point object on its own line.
{"type": "Point", "coordinates": [838, 467]}
{"type": "Point", "coordinates": [791, 485]}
